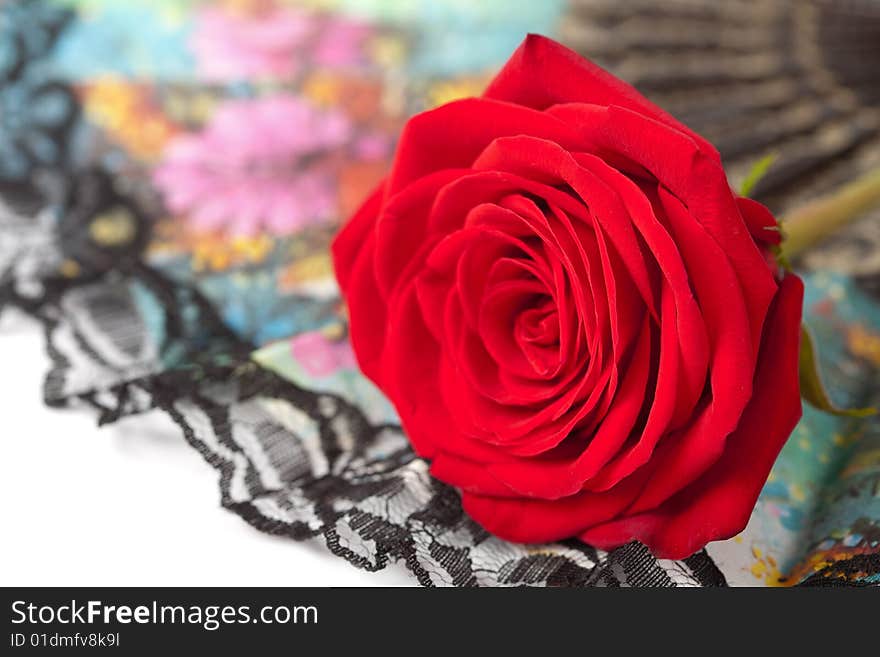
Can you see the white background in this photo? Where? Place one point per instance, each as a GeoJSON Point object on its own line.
{"type": "Point", "coordinates": [130, 504]}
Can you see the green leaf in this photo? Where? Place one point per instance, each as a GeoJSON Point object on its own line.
{"type": "Point", "coordinates": [812, 389]}
{"type": "Point", "coordinates": [759, 170]}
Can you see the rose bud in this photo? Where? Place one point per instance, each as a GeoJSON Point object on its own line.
{"type": "Point", "coordinates": [573, 313]}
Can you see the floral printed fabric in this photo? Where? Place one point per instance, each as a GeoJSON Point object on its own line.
{"type": "Point", "coordinates": [218, 145]}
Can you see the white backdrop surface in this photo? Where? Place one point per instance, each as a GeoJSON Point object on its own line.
{"type": "Point", "coordinates": [130, 504]}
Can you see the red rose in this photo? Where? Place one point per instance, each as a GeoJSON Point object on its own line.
{"type": "Point", "coordinates": [573, 313]}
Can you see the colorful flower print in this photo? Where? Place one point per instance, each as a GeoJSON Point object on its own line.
{"type": "Point", "coordinates": [263, 163]}
{"type": "Point", "coordinates": [270, 41]}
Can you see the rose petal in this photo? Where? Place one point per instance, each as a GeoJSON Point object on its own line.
{"type": "Point", "coordinates": [719, 504]}
{"type": "Point", "coordinates": [349, 242]}
{"type": "Point", "coordinates": [539, 521]}
{"type": "Point", "coordinates": [542, 73]}
{"type": "Point", "coordinates": [452, 135]}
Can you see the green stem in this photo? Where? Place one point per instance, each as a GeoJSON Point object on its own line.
{"type": "Point", "coordinates": [818, 219]}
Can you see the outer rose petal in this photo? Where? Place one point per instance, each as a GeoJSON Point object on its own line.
{"type": "Point", "coordinates": [718, 505]}
{"type": "Point", "coordinates": [401, 229]}
{"type": "Point", "coordinates": [762, 224]}
{"type": "Point", "coordinates": [351, 238]}
{"type": "Point", "coordinates": [453, 135]}
{"type": "Point", "coordinates": [538, 521]}
{"type": "Point", "coordinates": [542, 73]}
{"type": "Point", "coordinates": [367, 314]}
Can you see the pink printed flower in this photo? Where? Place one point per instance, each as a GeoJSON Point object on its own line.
{"type": "Point", "coordinates": [319, 355]}
{"type": "Point", "coordinates": [272, 41]}
{"type": "Point", "coordinates": [264, 163]}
